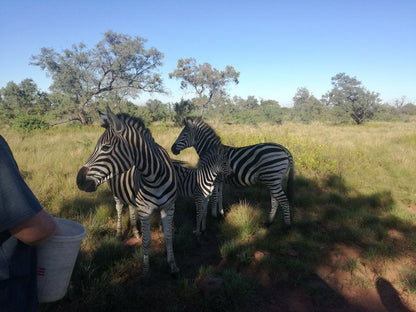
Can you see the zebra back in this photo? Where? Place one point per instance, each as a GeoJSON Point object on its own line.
{"type": "Point", "coordinates": [264, 162]}
{"type": "Point", "coordinates": [200, 180]}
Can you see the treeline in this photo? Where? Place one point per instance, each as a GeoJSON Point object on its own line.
{"type": "Point", "coordinates": [24, 106]}
{"type": "Point", "coordinates": [119, 68]}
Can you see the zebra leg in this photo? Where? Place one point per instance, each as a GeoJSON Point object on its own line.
{"type": "Point", "coordinates": [133, 221]}
{"type": "Point", "coordinates": [167, 220]}
{"type": "Point", "coordinates": [119, 208]}
{"type": "Point", "coordinates": [204, 214]}
{"type": "Point", "coordinates": [213, 200]}
{"type": "Point", "coordinates": [146, 243]}
{"type": "Point", "coordinates": [273, 209]}
{"type": "Point", "coordinates": [276, 199]}
{"type": "Point", "coordinates": [219, 198]}
{"type": "Point", "coordinates": [198, 205]}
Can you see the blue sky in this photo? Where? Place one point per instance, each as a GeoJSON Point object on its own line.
{"type": "Point", "coordinates": [277, 46]}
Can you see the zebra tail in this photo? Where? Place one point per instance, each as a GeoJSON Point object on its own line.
{"type": "Point", "coordinates": [290, 181]}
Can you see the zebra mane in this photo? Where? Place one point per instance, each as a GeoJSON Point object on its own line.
{"type": "Point", "coordinates": [199, 123]}
{"type": "Point", "coordinates": [136, 123]}
{"type": "Point", "coordinates": [180, 162]}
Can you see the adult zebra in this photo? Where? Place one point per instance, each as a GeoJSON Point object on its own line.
{"type": "Point", "coordinates": [127, 148]}
{"type": "Point", "coordinates": [115, 184]}
{"type": "Point", "coordinates": [265, 162]}
{"type": "Point", "coordinates": [198, 183]}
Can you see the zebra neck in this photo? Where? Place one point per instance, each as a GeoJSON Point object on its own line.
{"type": "Point", "coordinates": [145, 153]}
{"type": "Point", "coordinates": [205, 146]}
{"type": "Point", "coordinates": [206, 183]}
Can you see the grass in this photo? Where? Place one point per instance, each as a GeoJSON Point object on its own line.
{"type": "Point", "coordinates": [355, 201]}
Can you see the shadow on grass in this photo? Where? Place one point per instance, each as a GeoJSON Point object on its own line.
{"type": "Point", "coordinates": [330, 217]}
{"type": "Point", "coordinates": [86, 204]}
{"type": "Point", "coordinates": [328, 214]}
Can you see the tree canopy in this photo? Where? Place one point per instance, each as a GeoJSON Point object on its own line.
{"type": "Point", "coordinates": [207, 82]}
{"type": "Point", "coordinates": [117, 62]}
{"type": "Point", "coordinates": [22, 98]}
{"type": "Point", "coordinates": [349, 96]}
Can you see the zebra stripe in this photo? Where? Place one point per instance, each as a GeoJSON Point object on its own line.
{"type": "Point", "coordinates": [198, 183]}
{"type": "Point", "coordinates": [265, 162]}
{"type": "Point", "coordinates": [140, 173]}
{"type": "Point", "coordinates": [132, 213]}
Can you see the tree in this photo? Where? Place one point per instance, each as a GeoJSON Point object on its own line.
{"type": "Point", "coordinates": [204, 80]}
{"type": "Point", "coordinates": [271, 111]}
{"type": "Point", "coordinates": [352, 98]}
{"type": "Point", "coordinates": [157, 110]}
{"type": "Point", "coordinates": [306, 107]}
{"type": "Point", "coordinates": [182, 110]}
{"type": "Point", "coordinates": [23, 98]}
{"type": "Point", "coordinates": [118, 62]}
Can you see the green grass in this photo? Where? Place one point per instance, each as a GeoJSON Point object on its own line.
{"type": "Point", "coordinates": [354, 188]}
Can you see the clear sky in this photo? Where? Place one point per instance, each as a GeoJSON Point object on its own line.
{"type": "Point", "coordinates": [277, 46]}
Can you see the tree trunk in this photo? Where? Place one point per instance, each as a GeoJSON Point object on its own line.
{"type": "Point", "coordinates": [82, 114]}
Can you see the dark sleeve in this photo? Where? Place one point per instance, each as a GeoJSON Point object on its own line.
{"type": "Point", "coordinates": [17, 202]}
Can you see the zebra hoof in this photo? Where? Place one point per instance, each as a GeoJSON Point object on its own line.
{"type": "Point", "coordinates": [145, 278]}
{"type": "Point", "coordinates": [199, 239]}
{"type": "Point", "coordinates": [175, 274]}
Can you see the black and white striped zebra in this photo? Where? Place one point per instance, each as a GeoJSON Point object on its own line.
{"type": "Point", "coordinates": [127, 147]}
{"type": "Point", "coordinates": [115, 184]}
{"type": "Point", "coordinates": [198, 183]}
{"type": "Point", "coordinates": [266, 162]}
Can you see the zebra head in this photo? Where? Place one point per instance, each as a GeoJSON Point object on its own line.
{"type": "Point", "coordinates": [186, 138]}
{"type": "Point", "coordinates": [198, 134]}
{"type": "Point", "coordinates": [112, 154]}
{"type": "Point", "coordinates": [217, 161]}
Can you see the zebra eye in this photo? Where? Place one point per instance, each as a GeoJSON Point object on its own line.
{"type": "Point", "coordinates": [106, 148]}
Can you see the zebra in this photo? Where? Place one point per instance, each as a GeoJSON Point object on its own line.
{"type": "Point", "coordinates": [132, 214]}
{"type": "Point", "coordinates": [265, 162]}
{"type": "Point", "coordinates": [198, 183]}
{"type": "Point", "coordinates": [127, 147]}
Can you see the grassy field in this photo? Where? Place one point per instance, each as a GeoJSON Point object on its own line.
{"type": "Point", "coordinates": [352, 246]}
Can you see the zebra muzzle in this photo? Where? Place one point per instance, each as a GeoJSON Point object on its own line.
{"type": "Point", "coordinates": [84, 183]}
{"type": "Point", "coordinates": [175, 149]}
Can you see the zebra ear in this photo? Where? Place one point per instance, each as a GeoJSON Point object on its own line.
{"type": "Point", "coordinates": [187, 121]}
{"type": "Point", "coordinates": [104, 118]}
{"type": "Point", "coordinates": [114, 121]}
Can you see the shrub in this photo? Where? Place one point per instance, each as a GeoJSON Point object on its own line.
{"type": "Point", "coordinates": [29, 123]}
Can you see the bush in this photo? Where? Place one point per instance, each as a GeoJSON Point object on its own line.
{"type": "Point", "coordinates": [29, 123]}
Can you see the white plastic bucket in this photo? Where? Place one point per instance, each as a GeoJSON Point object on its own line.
{"type": "Point", "coordinates": [56, 260]}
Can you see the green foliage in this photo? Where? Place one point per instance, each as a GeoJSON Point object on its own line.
{"type": "Point", "coordinates": [22, 98]}
{"type": "Point", "coordinates": [351, 98]}
{"type": "Point", "coordinates": [204, 80]}
{"type": "Point", "coordinates": [306, 107]}
{"type": "Point", "coordinates": [181, 110]}
{"type": "Point", "coordinates": [118, 62]}
{"type": "Point", "coordinates": [29, 123]}
{"type": "Point", "coordinates": [157, 110]}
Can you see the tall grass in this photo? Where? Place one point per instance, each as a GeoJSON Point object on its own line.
{"type": "Point", "coordinates": [354, 187]}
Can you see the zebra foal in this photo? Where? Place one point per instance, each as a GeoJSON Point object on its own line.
{"type": "Point", "coordinates": [266, 162]}
{"type": "Point", "coordinates": [198, 183]}
{"type": "Point", "coordinates": [142, 173]}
